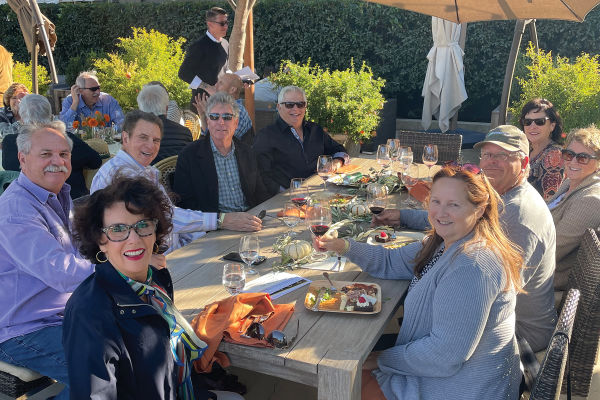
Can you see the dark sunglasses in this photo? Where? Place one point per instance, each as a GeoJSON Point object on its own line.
{"type": "Point", "coordinates": [582, 158]}
{"type": "Point", "coordinates": [276, 338]}
{"type": "Point", "coordinates": [225, 116]}
{"type": "Point", "coordinates": [537, 121]}
{"type": "Point", "coordinates": [92, 89]}
{"type": "Point", "coordinates": [224, 23]}
{"type": "Point", "coordinates": [472, 168]}
{"type": "Point", "coordinates": [291, 104]}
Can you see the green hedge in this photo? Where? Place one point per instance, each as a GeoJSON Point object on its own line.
{"type": "Point", "coordinates": [393, 42]}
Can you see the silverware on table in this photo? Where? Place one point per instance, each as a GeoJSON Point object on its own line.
{"type": "Point", "coordinates": [332, 288]}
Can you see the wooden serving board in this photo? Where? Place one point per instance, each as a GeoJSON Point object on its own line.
{"type": "Point", "coordinates": [315, 286]}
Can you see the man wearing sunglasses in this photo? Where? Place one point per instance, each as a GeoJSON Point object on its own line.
{"type": "Point", "coordinates": [527, 221]}
{"type": "Point", "coordinates": [207, 59]}
{"type": "Point", "coordinates": [86, 99]}
{"type": "Point", "coordinates": [291, 146]}
{"type": "Point", "coordinates": [219, 173]}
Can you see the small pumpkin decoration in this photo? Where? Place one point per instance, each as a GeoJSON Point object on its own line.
{"type": "Point", "coordinates": [298, 249]}
{"type": "Point", "coordinates": [359, 209]}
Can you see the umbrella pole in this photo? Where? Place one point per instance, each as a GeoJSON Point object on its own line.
{"type": "Point", "coordinates": [37, 19]}
{"type": "Point", "coordinates": [34, 61]}
{"type": "Point", "coordinates": [510, 69]}
{"type": "Point", "coordinates": [249, 61]}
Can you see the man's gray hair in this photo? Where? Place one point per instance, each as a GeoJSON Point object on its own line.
{"type": "Point", "coordinates": [222, 98]}
{"type": "Point", "coordinates": [35, 108]}
{"type": "Point", "coordinates": [289, 89]}
{"type": "Point", "coordinates": [80, 81]}
{"type": "Point", "coordinates": [153, 99]}
{"type": "Point", "coordinates": [26, 134]}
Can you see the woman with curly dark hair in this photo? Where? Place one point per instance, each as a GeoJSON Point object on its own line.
{"type": "Point", "coordinates": [543, 126]}
{"type": "Point", "coordinates": [122, 334]}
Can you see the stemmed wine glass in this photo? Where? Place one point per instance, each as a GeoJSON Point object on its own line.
{"type": "Point", "coordinates": [394, 150]}
{"type": "Point", "coordinates": [405, 155]}
{"type": "Point", "coordinates": [298, 192]}
{"type": "Point", "coordinates": [318, 219]}
{"type": "Point", "coordinates": [291, 217]}
{"type": "Point", "coordinates": [324, 168]}
{"type": "Point", "coordinates": [383, 156]}
{"type": "Point", "coordinates": [410, 177]}
{"type": "Point", "coordinates": [430, 156]}
{"type": "Point", "coordinates": [249, 251]}
{"type": "Point", "coordinates": [234, 278]}
{"type": "Point", "coordinates": [376, 197]}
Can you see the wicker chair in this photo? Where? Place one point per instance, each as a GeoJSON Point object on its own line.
{"type": "Point", "coordinates": [166, 167]}
{"type": "Point", "coordinates": [17, 381]}
{"type": "Point", "coordinates": [193, 123]}
{"type": "Point", "coordinates": [448, 144]}
{"type": "Point", "coordinates": [550, 376]}
{"type": "Point", "coordinates": [585, 341]}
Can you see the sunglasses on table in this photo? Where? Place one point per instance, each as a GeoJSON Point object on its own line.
{"type": "Point", "coordinates": [92, 89]}
{"type": "Point", "coordinates": [537, 121]}
{"type": "Point", "coordinates": [120, 232]}
{"type": "Point", "coordinates": [582, 158]}
{"type": "Point", "coordinates": [291, 104]}
{"type": "Point", "coordinates": [276, 338]}
{"type": "Point", "coordinates": [224, 23]}
{"type": "Point", "coordinates": [216, 116]}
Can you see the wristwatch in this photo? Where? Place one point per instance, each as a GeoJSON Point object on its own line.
{"type": "Point", "coordinates": [220, 219]}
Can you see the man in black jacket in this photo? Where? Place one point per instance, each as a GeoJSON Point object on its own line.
{"type": "Point", "coordinates": [207, 58]}
{"type": "Point", "coordinates": [218, 173]}
{"type": "Point", "coordinates": [154, 99]}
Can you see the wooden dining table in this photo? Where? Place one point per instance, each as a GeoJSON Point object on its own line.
{"type": "Point", "coordinates": [330, 348]}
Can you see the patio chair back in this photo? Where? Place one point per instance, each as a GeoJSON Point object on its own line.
{"type": "Point", "coordinates": [585, 341]}
{"type": "Point", "coordinates": [548, 382]}
{"type": "Point", "coordinates": [448, 144]}
{"type": "Point", "coordinates": [166, 167]}
{"type": "Point", "coordinates": [192, 122]}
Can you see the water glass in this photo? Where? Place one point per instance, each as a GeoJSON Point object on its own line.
{"type": "Point", "coordinates": [249, 252]}
{"type": "Point", "coordinates": [234, 278]}
{"type": "Point", "coordinates": [291, 217]}
{"type": "Point", "coordinates": [325, 168]}
{"type": "Point", "coordinates": [383, 156]}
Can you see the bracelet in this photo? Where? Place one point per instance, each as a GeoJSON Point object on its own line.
{"type": "Point", "coordinates": [220, 219]}
{"type": "Point", "coordinates": [346, 247]}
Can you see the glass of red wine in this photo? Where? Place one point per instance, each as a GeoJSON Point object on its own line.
{"type": "Point", "coordinates": [318, 219]}
{"type": "Point", "coordinates": [376, 197]}
{"type": "Point", "coordinates": [298, 192]}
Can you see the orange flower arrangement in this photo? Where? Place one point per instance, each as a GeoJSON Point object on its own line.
{"type": "Point", "coordinates": [75, 124]}
{"type": "Point", "coordinates": [89, 123]}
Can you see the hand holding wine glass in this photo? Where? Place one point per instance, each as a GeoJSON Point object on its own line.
{"type": "Point", "coordinates": [376, 197]}
{"type": "Point", "coordinates": [318, 219]}
{"type": "Point", "coordinates": [298, 192]}
{"type": "Point", "coordinates": [234, 278]}
{"type": "Point", "coordinates": [249, 251]}
{"type": "Point", "coordinates": [325, 168]}
{"type": "Point", "coordinates": [430, 156]}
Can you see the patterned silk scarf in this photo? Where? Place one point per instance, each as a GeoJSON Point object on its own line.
{"type": "Point", "coordinates": [185, 345]}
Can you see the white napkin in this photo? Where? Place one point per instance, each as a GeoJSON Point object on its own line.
{"type": "Point", "coordinates": [326, 265]}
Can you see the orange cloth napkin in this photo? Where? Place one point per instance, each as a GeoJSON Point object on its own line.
{"type": "Point", "coordinates": [224, 319]}
{"type": "Point", "coordinates": [420, 191]}
{"type": "Point", "coordinates": [345, 169]}
{"type": "Point", "coordinates": [298, 212]}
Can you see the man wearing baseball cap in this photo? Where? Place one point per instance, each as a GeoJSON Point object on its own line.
{"type": "Point", "coordinates": [527, 221]}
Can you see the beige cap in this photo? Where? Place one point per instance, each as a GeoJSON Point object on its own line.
{"type": "Point", "coordinates": [508, 137]}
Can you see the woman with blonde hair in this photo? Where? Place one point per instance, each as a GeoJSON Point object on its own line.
{"type": "Point", "coordinates": [457, 338]}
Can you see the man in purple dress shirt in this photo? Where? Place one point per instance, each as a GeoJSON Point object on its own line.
{"type": "Point", "coordinates": [39, 262]}
{"type": "Point", "coordinates": [86, 98]}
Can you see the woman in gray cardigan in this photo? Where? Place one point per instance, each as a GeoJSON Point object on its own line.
{"type": "Point", "coordinates": [457, 339]}
{"type": "Point", "coordinates": [576, 204]}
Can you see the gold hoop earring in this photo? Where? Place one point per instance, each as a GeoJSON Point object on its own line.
{"type": "Point", "coordinates": [98, 258]}
{"type": "Point", "coordinates": [155, 249]}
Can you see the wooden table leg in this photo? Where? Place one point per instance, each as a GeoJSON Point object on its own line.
{"type": "Point", "coordinates": [339, 377]}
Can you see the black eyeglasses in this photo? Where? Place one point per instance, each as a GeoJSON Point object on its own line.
{"type": "Point", "coordinates": [92, 89]}
{"type": "Point", "coordinates": [537, 121]}
{"type": "Point", "coordinates": [291, 104]}
{"type": "Point", "coordinates": [224, 23]}
{"type": "Point", "coordinates": [225, 116]}
{"type": "Point", "coordinates": [120, 232]}
{"type": "Point", "coordinates": [582, 158]}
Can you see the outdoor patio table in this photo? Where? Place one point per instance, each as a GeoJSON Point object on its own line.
{"type": "Point", "coordinates": [330, 348]}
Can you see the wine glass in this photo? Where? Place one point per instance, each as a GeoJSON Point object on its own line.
{"type": "Point", "coordinates": [405, 155]}
{"type": "Point", "coordinates": [383, 156]}
{"type": "Point", "coordinates": [430, 156]}
{"type": "Point", "coordinates": [324, 168]}
{"type": "Point", "coordinates": [376, 197]}
{"type": "Point", "coordinates": [249, 251]}
{"type": "Point", "coordinates": [318, 219]}
{"type": "Point", "coordinates": [298, 192]}
{"type": "Point", "coordinates": [234, 278]}
{"type": "Point", "coordinates": [394, 150]}
{"type": "Point", "coordinates": [410, 177]}
{"type": "Point", "coordinates": [291, 217]}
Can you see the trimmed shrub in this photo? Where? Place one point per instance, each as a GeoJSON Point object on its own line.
{"type": "Point", "coordinates": [22, 74]}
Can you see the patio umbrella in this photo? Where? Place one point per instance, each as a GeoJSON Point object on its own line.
{"type": "Point", "coordinates": [460, 11]}
{"type": "Point", "coordinates": [444, 87]}
{"type": "Point", "coordinates": [24, 12]}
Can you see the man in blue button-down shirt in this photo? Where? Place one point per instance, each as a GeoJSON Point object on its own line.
{"type": "Point", "coordinates": [86, 99]}
{"type": "Point", "coordinates": [39, 262]}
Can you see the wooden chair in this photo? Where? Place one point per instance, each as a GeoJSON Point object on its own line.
{"type": "Point", "coordinates": [166, 167]}
{"type": "Point", "coordinates": [18, 381]}
{"type": "Point", "coordinates": [449, 145]}
{"type": "Point", "coordinates": [548, 382]}
{"type": "Point", "coordinates": [585, 341]}
{"type": "Point", "coordinates": [193, 123]}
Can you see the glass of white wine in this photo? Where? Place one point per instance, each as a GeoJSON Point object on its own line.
{"type": "Point", "coordinates": [234, 278]}
{"type": "Point", "coordinates": [249, 252]}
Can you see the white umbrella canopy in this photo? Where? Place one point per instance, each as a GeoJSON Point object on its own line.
{"type": "Point", "coordinates": [460, 11]}
{"type": "Point", "coordinates": [444, 86]}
